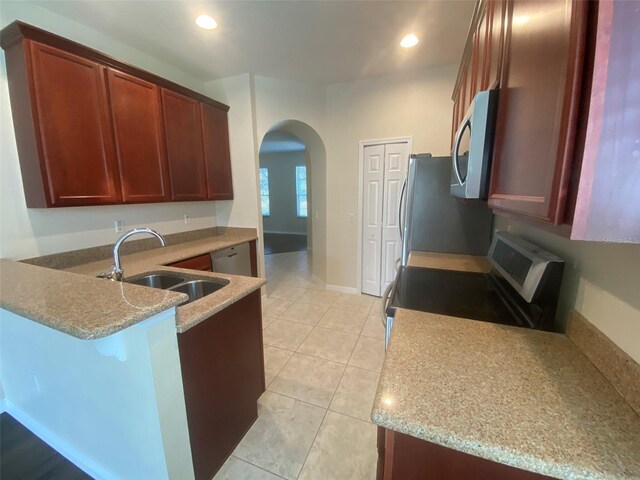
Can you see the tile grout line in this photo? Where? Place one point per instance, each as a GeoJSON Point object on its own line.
{"type": "Point", "coordinates": [257, 466]}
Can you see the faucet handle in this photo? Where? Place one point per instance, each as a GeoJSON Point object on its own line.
{"type": "Point", "coordinates": [114, 275]}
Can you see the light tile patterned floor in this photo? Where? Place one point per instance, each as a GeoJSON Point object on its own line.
{"type": "Point", "coordinates": [323, 354]}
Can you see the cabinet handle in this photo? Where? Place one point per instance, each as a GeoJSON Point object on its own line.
{"type": "Point", "coordinates": [454, 158]}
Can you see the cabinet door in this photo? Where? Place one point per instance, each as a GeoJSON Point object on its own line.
{"type": "Point", "coordinates": [495, 36]}
{"type": "Point", "coordinates": [538, 107]}
{"type": "Point", "coordinates": [137, 127]}
{"type": "Point", "coordinates": [407, 457]}
{"type": "Point", "coordinates": [201, 262]}
{"type": "Point", "coordinates": [222, 367]}
{"type": "Point", "coordinates": [215, 131]}
{"type": "Point", "coordinates": [72, 129]}
{"type": "Point", "coordinates": [480, 50]}
{"type": "Point", "coordinates": [185, 150]}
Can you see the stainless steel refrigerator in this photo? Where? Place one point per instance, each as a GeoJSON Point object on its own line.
{"type": "Point", "coordinates": [435, 221]}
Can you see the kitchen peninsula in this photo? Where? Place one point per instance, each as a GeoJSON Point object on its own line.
{"type": "Point", "coordinates": [82, 354]}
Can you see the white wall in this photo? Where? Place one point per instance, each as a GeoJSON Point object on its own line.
{"type": "Point", "coordinates": [299, 109]}
{"type": "Point", "coordinates": [416, 104]}
{"type": "Point", "coordinates": [32, 232]}
{"type": "Point", "coordinates": [600, 281]}
{"type": "Point", "coordinates": [283, 216]}
{"type": "Point", "coordinates": [113, 406]}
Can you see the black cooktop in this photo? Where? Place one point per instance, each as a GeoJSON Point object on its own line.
{"type": "Point", "coordinates": [447, 292]}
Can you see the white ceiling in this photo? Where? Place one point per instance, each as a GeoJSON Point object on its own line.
{"type": "Point", "coordinates": [311, 41]}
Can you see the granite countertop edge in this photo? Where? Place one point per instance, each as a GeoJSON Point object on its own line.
{"type": "Point", "coordinates": [62, 320]}
{"type": "Point", "coordinates": [495, 453]}
{"type": "Point", "coordinates": [96, 333]}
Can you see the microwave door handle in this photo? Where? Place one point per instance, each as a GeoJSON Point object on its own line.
{"type": "Point", "coordinates": [456, 146]}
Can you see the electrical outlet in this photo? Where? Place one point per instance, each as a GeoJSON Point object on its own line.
{"type": "Point", "coordinates": [118, 225]}
{"type": "Point", "coordinates": [187, 219]}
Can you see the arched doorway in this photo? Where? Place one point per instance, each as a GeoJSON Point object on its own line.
{"type": "Point", "coordinates": [295, 135]}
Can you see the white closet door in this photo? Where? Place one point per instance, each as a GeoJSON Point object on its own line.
{"type": "Point", "coordinates": [395, 166]}
{"type": "Point", "coordinates": [373, 182]}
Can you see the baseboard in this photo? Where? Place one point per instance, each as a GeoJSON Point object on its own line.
{"type": "Point", "coordinates": [84, 463]}
{"type": "Point", "coordinates": [340, 288]}
{"type": "Point", "coordinates": [288, 233]}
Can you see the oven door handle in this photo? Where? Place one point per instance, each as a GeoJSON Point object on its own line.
{"type": "Point", "coordinates": [385, 302]}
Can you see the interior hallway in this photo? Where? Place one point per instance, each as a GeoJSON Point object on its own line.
{"type": "Point", "coordinates": [323, 355]}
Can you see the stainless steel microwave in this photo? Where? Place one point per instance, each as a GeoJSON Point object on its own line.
{"type": "Point", "coordinates": [471, 154]}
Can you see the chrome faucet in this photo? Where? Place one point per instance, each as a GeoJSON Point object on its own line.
{"type": "Point", "coordinates": [117, 272]}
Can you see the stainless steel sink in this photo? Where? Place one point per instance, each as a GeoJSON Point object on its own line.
{"type": "Point", "coordinates": [197, 289]}
{"type": "Point", "coordinates": [194, 287]}
{"type": "Point", "coordinates": [158, 280]}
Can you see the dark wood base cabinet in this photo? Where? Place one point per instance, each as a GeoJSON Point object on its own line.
{"type": "Point", "coordinates": [201, 262]}
{"type": "Point", "coordinates": [402, 457]}
{"type": "Point", "coordinates": [223, 375]}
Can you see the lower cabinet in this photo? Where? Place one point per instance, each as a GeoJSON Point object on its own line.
{"type": "Point", "coordinates": [402, 457]}
{"type": "Point", "coordinates": [201, 262]}
{"type": "Point", "coordinates": [223, 376]}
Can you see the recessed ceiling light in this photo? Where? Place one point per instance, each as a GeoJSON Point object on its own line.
{"type": "Point", "coordinates": [409, 41]}
{"type": "Point", "coordinates": [206, 22]}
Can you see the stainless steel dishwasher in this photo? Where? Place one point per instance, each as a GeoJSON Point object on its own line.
{"type": "Point", "coordinates": [235, 260]}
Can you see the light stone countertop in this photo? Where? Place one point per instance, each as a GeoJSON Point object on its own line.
{"type": "Point", "coordinates": [87, 307]}
{"type": "Point", "coordinates": [81, 306]}
{"type": "Point", "coordinates": [449, 261]}
{"type": "Point", "coordinates": [525, 398]}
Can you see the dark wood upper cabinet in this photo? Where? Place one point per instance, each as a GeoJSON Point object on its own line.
{"type": "Point", "coordinates": [139, 138]}
{"type": "Point", "coordinates": [185, 152]}
{"type": "Point", "coordinates": [61, 118]}
{"type": "Point", "coordinates": [215, 131]}
{"type": "Point", "coordinates": [565, 150]}
{"type": "Point", "coordinates": [495, 35]}
{"type": "Point", "coordinates": [481, 62]}
{"type": "Point", "coordinates": [92, 130]}
{"type": "Point", "coordinates": [538, 107]}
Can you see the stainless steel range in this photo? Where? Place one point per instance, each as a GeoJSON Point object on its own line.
{"type": "Point", "coordinates": [521, 289]}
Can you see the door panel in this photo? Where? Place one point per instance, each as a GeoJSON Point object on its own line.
{"type": "Point", "coordinates": [538, 107]}
{"type": "Point", "coordinates": [216, 153]}
{"type": "Point", "coordinates": [396, 158]}
{"type": "Point", "coordinates": [74, 131]}
{"type": "Point", "coordinates": [137, 125]}
{"type": "Point", "coordinates": [372, 218]}
{"type": "Point", "coordinates": [185, 148]}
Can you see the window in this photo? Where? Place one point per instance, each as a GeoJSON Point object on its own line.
{"type": "Point", "coordinates": [264, 192]}
{"type": "Point", "coordinates": [301, 190]}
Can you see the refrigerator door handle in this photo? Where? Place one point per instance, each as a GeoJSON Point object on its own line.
{"type": "Point", "coordinates": [401, 204]}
